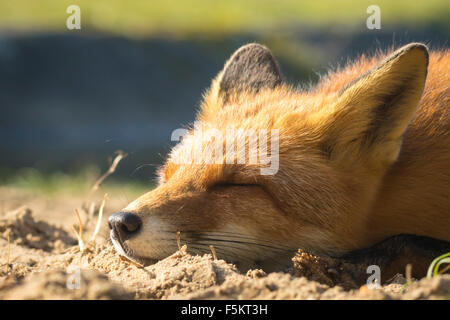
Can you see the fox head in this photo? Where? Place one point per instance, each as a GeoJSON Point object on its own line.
{"type": "Point", "coordinates": [327, 149]}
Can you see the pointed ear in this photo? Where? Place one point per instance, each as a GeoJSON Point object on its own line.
{"type": "Point", "coordinates": [251, 68]}
{"type": "Point", "coordinates": [372, 113]}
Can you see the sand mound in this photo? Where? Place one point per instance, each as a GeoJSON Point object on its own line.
{"type": "Point", "coordinates": [55, 284]}
{"type": "Point", "coordinates": [185, 276]}
{"type": "Point", "coordinates": [43, 258]}
{"type": "Point", "coordinates": [25, 231]}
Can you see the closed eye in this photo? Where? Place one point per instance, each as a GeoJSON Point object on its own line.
{"type": "Point", "coordinates": [220, 185]}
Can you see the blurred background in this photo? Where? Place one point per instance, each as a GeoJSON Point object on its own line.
{"type": "Point", "coordinates": [136, 70]}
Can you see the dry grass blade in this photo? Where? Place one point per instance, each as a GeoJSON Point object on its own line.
{"type": "Point", "coordinates": [80, 232]}
{"type": "Point", "coordinates": [137, 264]}
{"type": "Point", "coordinates": [9, 252]}
{"type": "Point", "coordinates": [179, 240]}
{"type": "Point", "coordinates": [91, 209]}
{"type": "Point", "coordinates": [408, 273]}
{"type": "Point", "coordinates": [213, 251]}
{"type": "Point", "coordinates": [99, 220]}
{"type": "Point", "coordinates": [111, 170]}
{"type": "Point", "coordinates": [444, 270]}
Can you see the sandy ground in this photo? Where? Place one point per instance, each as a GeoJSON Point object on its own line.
{"type": "Point", "coordinates": [45, 263]}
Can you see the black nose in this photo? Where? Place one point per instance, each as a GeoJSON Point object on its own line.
{"type": "Point", "coordinates": [124, 224]}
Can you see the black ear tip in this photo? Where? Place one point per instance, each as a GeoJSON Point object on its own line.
{"type": "Point", "coordinates": [415, 46]}
{"type": "Point", "coordinates": [251, 67]}
{"type": "Point", "coordinates": [252, 46]}
{"type": "Point", "coordinates": [254, 51]}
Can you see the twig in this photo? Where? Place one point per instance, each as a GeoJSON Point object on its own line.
{"type": "Point", "coordinates": [112, 168]}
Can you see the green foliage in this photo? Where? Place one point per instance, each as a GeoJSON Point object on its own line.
{"type": "Point", "coordinates": [75, 183]}
{"type": "Point", "coordinates": [183, 17]}
{"type": "Point", "coordinates": [433, 269]}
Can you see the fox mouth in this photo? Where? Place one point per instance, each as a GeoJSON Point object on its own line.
{"type": "Point", "coordinates": [124, 252]}
{"type": "Point", "coordinates": [123, 227]}
{"type": "Point", "coordinates": [146, 246]}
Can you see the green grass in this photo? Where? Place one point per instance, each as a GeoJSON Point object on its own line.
{"type": "Point", "coordinates": [79, 183]}
{"type": "Point", "coordinates": [183, 17]}
{"type": "Point", "coordinates": [433, 269]}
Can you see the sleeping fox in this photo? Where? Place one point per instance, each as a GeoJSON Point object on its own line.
{"type": "Point", "coordinates": [362, 166]}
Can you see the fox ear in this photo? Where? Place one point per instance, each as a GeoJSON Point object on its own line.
{"type": "Point", "coordinates": [251, 68]}
{"type": "Point", "coordinates": [372, 113]}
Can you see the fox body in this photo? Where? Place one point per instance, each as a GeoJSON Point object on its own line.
{"type": "Point", "coordinates": [363, 156]}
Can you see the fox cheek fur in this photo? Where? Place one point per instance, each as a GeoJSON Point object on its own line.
{"type": "Point", "coordinates": [362, 156]}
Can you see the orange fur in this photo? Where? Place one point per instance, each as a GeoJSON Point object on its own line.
{"type": "Point", "coordinates": [361, 159]}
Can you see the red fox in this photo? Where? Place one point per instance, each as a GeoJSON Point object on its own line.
{"type": "Point", "coordinates": [362, 157]}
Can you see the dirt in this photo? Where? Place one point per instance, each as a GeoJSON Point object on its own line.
{"type": "Point", "coordinates": [42, 260]}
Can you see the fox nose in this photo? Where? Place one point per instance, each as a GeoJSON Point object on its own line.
{"type": "Point", "coordinates": [125, 224]}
